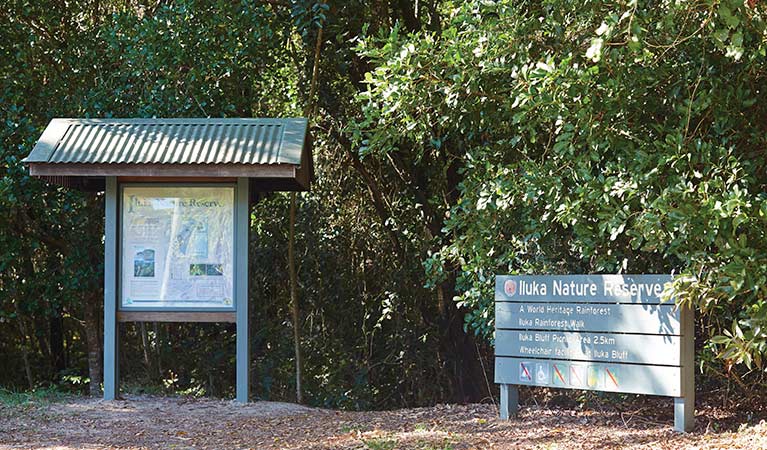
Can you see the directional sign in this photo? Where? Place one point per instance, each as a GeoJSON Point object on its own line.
{"type": "Point", "coordinates": [617, 333]}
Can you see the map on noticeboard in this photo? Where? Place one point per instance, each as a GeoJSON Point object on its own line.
{"type": "Point", "coordinates": [177, 247]}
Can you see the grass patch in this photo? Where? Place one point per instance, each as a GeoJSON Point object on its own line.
{"type": "Point", "coordinates": [353, 428]}
{"type": "Point", "coordinates": [380, 444]}
{"type": "Point", "coordinates": [41, 395]}
{"type": "Point", "coordinates": [444, 446]}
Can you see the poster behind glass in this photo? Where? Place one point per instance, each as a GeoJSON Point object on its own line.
{"type": "Point", "coordinates": [177, 247]}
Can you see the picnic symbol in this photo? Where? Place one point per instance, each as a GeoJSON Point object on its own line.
{"type": "Point", "coordinates": [524, 372]}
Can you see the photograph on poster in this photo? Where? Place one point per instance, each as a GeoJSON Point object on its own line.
{"type": "Point", "coordinates": [143, 262]}
{"type": "Point", "coordinates": [177, 247]}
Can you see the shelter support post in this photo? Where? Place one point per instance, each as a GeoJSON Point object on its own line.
{"type": "Point", "coordinates": [684, 406]}
{"type": "Point", "coordinates": [111, 330]}
{"type": "Point", "coordinates": [242, 225]}
{"type": "Point", "coordinates": [509, 401]}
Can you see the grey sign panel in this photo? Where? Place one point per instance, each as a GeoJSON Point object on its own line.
{"type": "Point", "coordinates": [648, 319]}
{"type": "Point", "coordinates": [625, 378]}
{"type": "Point", "coordinates": [607, 347]}
{"type": "Point", "coordinates": [642, 289]}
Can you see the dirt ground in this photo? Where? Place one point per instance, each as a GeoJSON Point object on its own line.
{"type": "Point", "coordinates": [162, 422]}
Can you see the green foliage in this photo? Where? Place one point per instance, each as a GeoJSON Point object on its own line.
{"type": "Point", "coordinates": [365, 342]}
{"type": "Point", "coordinates": [106, 59]}
{"type": "Point", "coordinates": [37, 396]}
{"type": "Point", "coordinates": [308, 15]}
{"type": "Point", "coordinates": [453, 141]}
{"type": "Point", "coordinates": [599, 139]}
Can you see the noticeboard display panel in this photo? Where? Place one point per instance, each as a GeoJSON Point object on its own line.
{"type": "Point", "coordinates": [177, 247]}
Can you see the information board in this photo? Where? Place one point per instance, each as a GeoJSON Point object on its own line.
{"type": "Point", "coordinates": [177, 247]}
{"type": "Point", "coordinates": [600, 332]}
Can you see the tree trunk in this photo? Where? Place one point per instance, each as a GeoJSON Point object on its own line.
{"type": "Point", "coordinates": [294, 307]}
{"type": "Point", "coordinates": [468, 373]}
{"type": "Point", "coordinates": [458, 349]}
{"type": "Point", "coordinates": [158, 347]}
{"type": "Point", "coordinates": [145, 347]}
{"type": "Point", "coordinates": [93, 342]}
{"type": "Point", "coordinates": [25, 350]}
{"type": "Point", "coordinates": [56, 329]}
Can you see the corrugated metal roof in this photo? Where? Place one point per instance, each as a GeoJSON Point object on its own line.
{"type": "Point", "coordinates": [171, 141]}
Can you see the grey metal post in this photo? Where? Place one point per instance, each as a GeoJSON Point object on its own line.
{"type": "Point", "coordinates": [242, 225]}
{"type": "Point", "coordinates": [509, 401]}
{"type": "Point", "coordinates": [111, 344]}
{"type": "Point", "coordinates": [684, 406]}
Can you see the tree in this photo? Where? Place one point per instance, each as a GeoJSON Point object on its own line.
{"type": "Point", "coordinates": [452, 142]}
{"type": "Point", "coordinates": [620, 138]}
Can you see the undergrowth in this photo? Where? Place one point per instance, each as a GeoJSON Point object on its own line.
{"type": "Point", "coordinates": [40, 395]}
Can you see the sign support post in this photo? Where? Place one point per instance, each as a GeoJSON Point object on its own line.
{"type": "Point", "coordinates": [111, 330]}
{"type": "Point", "coordinates": [509, 401]}
{"type": "Point", "coordinates": [242, 222]}
{"type": "Point", "coordinates": [684, 406]}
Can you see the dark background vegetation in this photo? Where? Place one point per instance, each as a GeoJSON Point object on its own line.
{"type": "Point", "coordinates": [452, 141]}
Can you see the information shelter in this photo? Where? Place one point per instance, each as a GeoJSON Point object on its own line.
{"type": "Point", "coordinates": [177, 197]}
{"type": "Point", "coordinates": [594, 332]}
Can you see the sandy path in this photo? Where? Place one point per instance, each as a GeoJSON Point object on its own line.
{"type": "Point", "coordinates": [160, 422]}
